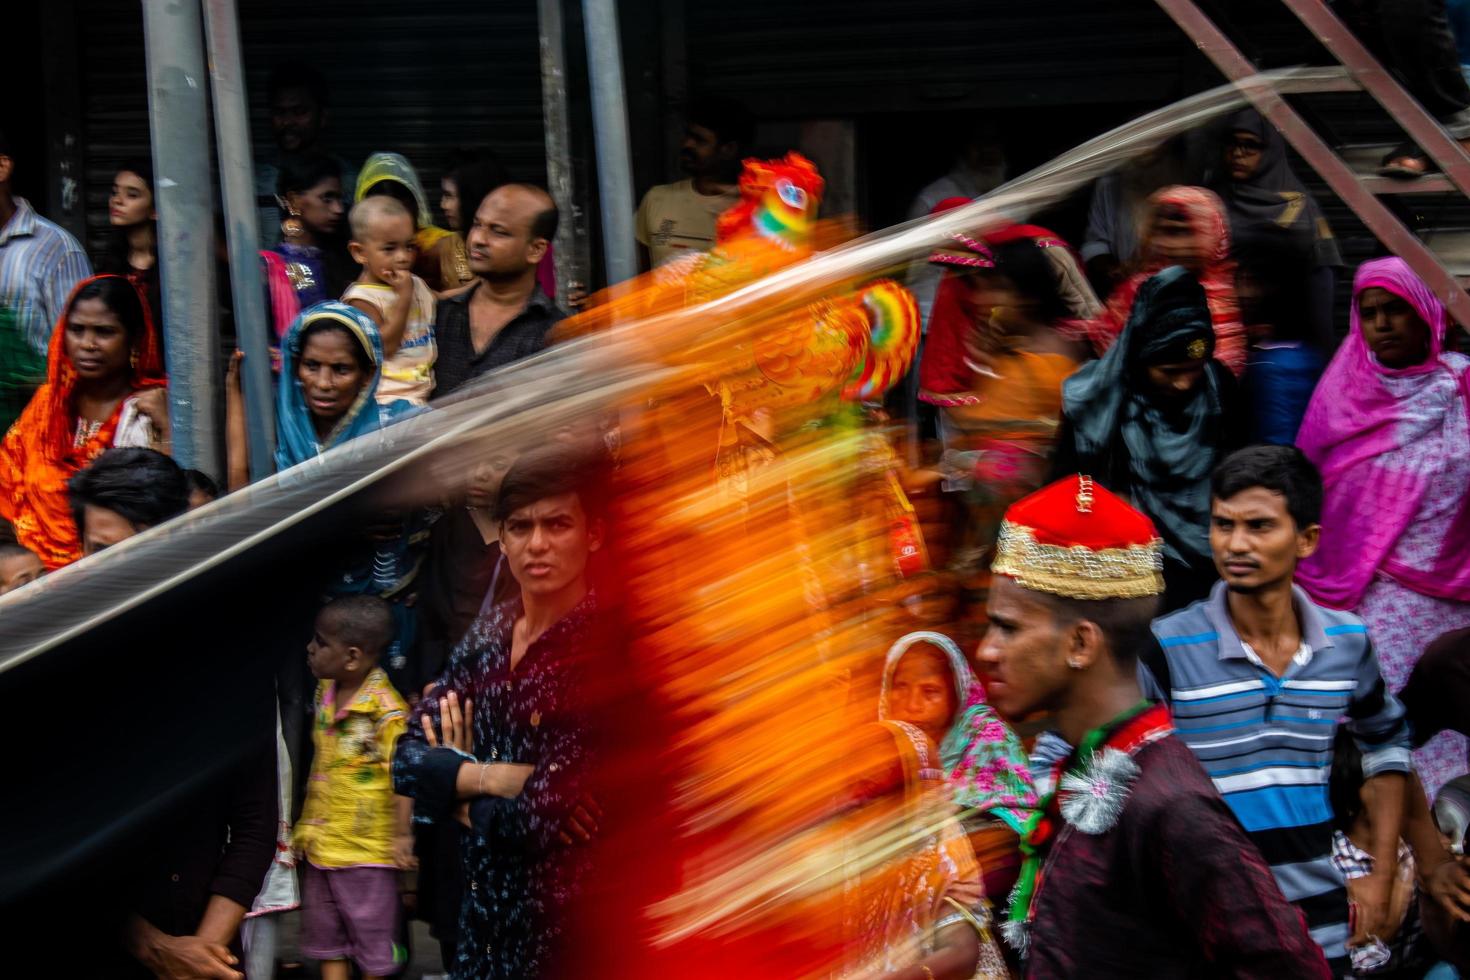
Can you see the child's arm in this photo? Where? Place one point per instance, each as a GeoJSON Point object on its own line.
{"type": "Point", "coordinates": [395, 322]}
{"type": "Point", "coordinates": [403, 833]}
{"type": "Point", "coordinates": [237, 448]}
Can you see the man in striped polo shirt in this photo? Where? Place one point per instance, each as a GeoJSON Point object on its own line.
{"type": "Point", "coordinates": [39, 265]}
{"type": "Point", "coordinates": [1259, 677]}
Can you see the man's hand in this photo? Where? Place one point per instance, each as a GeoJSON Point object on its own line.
{"type": "Point", "coordinates": [1449, 885]}
{"type": "Point", "coordinates": [1371, 892]}
{"type": "Point", "coordinates": [457, 727]}
{"type": "Point", "coordinates": [403, 856]}
{"type": "Point", "coordinates": [192, 958]}
{"type": "Point", "coordinates": [582, 824]}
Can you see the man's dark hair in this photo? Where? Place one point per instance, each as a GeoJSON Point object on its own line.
{"type": "Point", "coordinates": [730, 121]}
{"type": "Point", "coordinates": [142, 486]}
{"type": "Point", "coordinates": [362, 621]}
{"type": "Point", "coordinates": [1124, 622]}
{"type": "Point", "coordinates": [300, 172]}
{"type": "Point", "coordinates": [296, 76]}
{"type": "Point", "coordinates": [1280, 469]}
{"type": "Point", "coordinates": [544, 225]}
{"type": "Point", "coordinates": [550, 471]}
{"type": "Point", "coordinates": [13, 549]}
{"type": "Point", "coordinates": [4, 144]}
{"type": "Point", "coordinates": [202, 482]}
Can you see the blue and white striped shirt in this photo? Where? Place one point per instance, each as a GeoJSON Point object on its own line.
{"type": "Point", "coordinates": [40, 263]}
{"type": "Point", "coordinates": [1267, 741]}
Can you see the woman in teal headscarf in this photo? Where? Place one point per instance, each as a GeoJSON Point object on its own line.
{"type": "Point", "coordinates": [928, 683]}
{"type": "Point", "coordinates": [1151, 419]}
{"type": "Point", "coordinates": [330, 362]}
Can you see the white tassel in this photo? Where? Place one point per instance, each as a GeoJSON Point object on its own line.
{"type": "Point", "coordinates": [1017, 936]}
{"type": "Point", "coordinates": [1093, 799]}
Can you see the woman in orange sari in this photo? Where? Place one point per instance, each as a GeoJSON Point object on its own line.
{"type": "Point", "coordinates": [104, 388]}
{"type": "Point", "coordinates": [1003, 335]}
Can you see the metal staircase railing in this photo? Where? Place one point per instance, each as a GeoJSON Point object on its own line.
{"type": "Point", "coordinates": [1358, 191]}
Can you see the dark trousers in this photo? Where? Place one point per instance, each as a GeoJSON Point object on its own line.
{"type": "Point", "coordinates": [1413, 39]}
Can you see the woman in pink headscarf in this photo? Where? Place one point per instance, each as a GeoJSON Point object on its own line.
{"type": "Point", "coordinates": [1389, 426]}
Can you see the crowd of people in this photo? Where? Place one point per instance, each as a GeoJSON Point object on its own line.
{"type": "Point", "coordinates": [1194, 697]}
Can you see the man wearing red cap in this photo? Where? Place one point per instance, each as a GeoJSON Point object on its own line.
{"type": "Point", "coordinates": [1135, 867]}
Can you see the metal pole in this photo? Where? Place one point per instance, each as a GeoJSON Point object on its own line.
{"type": "Point", "coordinates": [610, 128]}
{"type": "Point", "coordinates": [178, 118]}
{"type": "Point", "coordinates": [569, 273]}
{"type": "Point", "coordinates": [237, 181]}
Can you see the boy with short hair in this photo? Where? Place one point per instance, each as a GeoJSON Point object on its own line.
{"type": "Point", "coordinates": [353, 832]}
{"type": "Point", "coordinates": [1259, 678]}
{"type": "Point", "coordinates": [399, 302]}
{"type": "Point", "coordinates": [18, 566]}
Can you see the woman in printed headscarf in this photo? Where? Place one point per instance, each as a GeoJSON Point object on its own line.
{"type": "Point", "coordinates": [442, 261]}
{"type": "Point", "coordinates": [1388, 428]}
{"type": "Point", "coordinates": [1186, 227]}
{"type": "Point", "coordinates": [912, 901]}
{"type": "Point", "coordinates": [1152, 417]}
{"type": "Point", "coordinates": [928, 683]}
{"type": "Point", "coordinates": [104, 388]}
{"type": "Point", "coordinates": [1003, 334]}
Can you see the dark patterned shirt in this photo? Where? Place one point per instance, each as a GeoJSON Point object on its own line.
{"type": "Point", "coordinates": [519, 875]}
{"type": "Point", "coordinates": [459, 362]}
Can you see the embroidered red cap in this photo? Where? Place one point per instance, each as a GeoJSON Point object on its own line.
{"type": "Point", "coordinates": [1079, 540]}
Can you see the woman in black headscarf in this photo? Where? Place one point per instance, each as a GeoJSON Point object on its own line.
{"type": "Point", "coordinates": [1150, 420]}
{"type": "Point", "coordinates": [1266, 200]}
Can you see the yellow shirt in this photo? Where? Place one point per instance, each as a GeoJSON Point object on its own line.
{"type": "Point", "coordinates": [348, 818]}
{"type": "Point", "coordinates": [675, 219]}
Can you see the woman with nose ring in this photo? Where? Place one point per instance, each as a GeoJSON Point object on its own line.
{"type": "Point", "coordinates": [928, 683]}
{"type": "Point", "coordinates": [1152, 417]}
{"type": "Point", "coordinates": [1388, 428]}
{"type": "Point", "coordinates": [104, 388]}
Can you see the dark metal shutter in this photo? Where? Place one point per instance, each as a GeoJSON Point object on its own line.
{"type": "Point", "coordinates": [418, 79]}
{"type": "Point", "coordinates": [865, 56]}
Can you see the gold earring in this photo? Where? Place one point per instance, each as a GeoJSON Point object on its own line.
{"type": "Point", "coordinates": [292, 227]}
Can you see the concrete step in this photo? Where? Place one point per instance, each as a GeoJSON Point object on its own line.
{"type": "Point", "coordinates": [1364, 159]}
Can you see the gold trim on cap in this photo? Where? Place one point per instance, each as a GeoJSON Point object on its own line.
{"type": "Point", "coordinates": [1078, 572]}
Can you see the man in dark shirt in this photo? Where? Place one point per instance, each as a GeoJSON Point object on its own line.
{"type": "Point", "coordinates": [1135, 866]}
{"type": "Point", "coordinates": [504, 316]}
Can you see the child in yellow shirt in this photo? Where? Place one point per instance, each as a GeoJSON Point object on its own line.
{"type": "Point", "coordinates": [354, 832]}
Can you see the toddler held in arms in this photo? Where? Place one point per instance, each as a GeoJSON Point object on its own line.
{"type": "Point", "coordinates": [399, 302]}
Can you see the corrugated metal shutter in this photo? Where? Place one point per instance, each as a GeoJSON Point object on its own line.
{"type": "Point", "coordinates": [419, 79]}
{"type": "Point", "coordinates": [863, 56]}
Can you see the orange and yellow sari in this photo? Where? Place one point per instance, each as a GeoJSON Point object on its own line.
{"type": "Point", "coordinates": [42, 450]}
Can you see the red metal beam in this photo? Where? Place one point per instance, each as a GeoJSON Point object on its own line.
{"type": "Point", "coordinates": [1344, 183]}
{"type": "Point", "coordinates": [1422, 128]}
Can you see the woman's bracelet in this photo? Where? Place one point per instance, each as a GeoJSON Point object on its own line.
{"type": "Point", "coordinates": [480, 784]}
